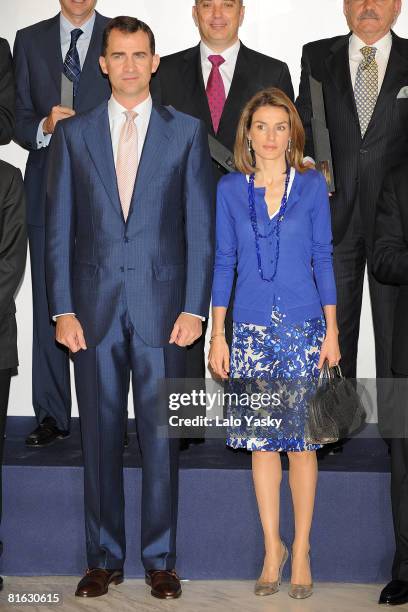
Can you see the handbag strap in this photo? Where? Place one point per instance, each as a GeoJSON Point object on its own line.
{"type": "Point", "coordinates": [329, 374]}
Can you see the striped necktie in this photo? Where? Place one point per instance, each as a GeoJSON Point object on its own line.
{"type": "Point", "coordinates": [72, 65]}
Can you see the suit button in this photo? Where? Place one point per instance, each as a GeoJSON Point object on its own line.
{"type": "Point", "coordinates": [363, 151]}
{"type": "Point", "coordinates": [122, 269]}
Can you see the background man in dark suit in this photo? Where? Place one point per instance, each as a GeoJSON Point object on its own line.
{"type": "Point", "coordinates": [362, 74]}
{"type": "Point", "coordinates": [130, 251]}
{"type": "Point", "coordinates": [390, 265]}
{"type": "Point", "coordinates": [6, 93]}
{"type": "Point", "coordinates": [213, 81]}
{"type": "Point", "coordinates": [70, 42]}
{"type": "Point", "coordinates": [13, 249]}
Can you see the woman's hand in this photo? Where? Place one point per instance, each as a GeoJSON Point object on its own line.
{"type": "Point", "coordinates": [219, 356]}
{"type": "Point", "coordinates": [330, 350]}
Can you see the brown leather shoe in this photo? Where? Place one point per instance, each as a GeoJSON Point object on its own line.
{"type": "Point", "coordinates": [165, 583]}
{"type": "Point", "coordinates": [96, 582]}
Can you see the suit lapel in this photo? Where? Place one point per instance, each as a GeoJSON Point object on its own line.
{"type": "Point", "coordinates": [338, 65]}
{"type": "Point", "coordinates": [157, 137]}
{"type": "Point", "coordinates": [91, 64]}
{"type": "Point", "coordinates": [51, 44]}
{"type": "Point", "coordinates": [237, 93]}
{"type": "Point", "coordinates": [396, 75]}
{"type": "Point", "coordinates": [99, 144]}
{"type": "Point", "coordinates": [194, 83]}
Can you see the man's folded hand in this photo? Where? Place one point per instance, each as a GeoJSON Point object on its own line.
{"type": "Point", "coordinates": [186, 330]}
{"type": "Point", "coordinates": [69, 332]}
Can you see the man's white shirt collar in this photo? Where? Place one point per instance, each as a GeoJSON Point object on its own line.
{"type": "Point", "coordinates": [383, 45]}
{"type": "Point", "coordinates": [143, 109]}
{"type": "Point", "coordinates": [66, 27]}
{"type": "Point", "coordinates": [229, 54]}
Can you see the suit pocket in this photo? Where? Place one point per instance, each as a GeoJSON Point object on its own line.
{"type": "Point", "coordinates": [402, 108]}
{"type": "Point", "coordinates": [169, 272]}
{"type": "Point", "coordinates": [84, 270]}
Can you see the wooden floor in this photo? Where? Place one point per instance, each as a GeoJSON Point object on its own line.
{"type": "Point", "coordinates": [198, 596]}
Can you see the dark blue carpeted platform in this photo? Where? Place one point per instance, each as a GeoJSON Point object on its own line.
{"type": "Point", "coordinates": [219, 532]}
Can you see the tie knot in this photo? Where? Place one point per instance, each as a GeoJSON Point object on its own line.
{"type": "Point", "coordinates": [75, 34]}
{"type": "Point", "coordinates": [216, 60]}
{"type": "Point", "coordinates": [368, 53]}
{"type": "Point", "coordinates": [130, 116]}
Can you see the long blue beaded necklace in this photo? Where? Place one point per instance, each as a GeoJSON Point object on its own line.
{"type": "Point", "coordinates": [275, 227]}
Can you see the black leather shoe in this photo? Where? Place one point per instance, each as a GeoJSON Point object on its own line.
{"type": "Point", "coordinates": [395, 593]}
{"type": "Point", "coordinates": [335, 449]}
{"type": "Point", "coordinates": [1, 583]}
{"type": "Point", "coordinates": [185, 443]}
{"type": "Point", "coordinates": [45, 434]}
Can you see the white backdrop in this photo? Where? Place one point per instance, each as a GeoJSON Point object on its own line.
{"type": "Point", "coordinates": [274, 27]}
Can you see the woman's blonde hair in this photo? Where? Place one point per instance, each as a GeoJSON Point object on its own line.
{"type": "Point", "coordinates": [272, 96]}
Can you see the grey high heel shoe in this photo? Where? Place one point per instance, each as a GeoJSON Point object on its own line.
{"type": "Point", "coordinates": [301, 591]}
{"type": "Point", "coordinates": [270, 588]}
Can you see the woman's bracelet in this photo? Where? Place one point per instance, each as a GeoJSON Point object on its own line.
{"type": "Point", "coordinates": [215, 335]}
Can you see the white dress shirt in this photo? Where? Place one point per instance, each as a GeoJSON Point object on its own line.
{"type": "Point", "coordinates": [227, 69]}
{"type": "Point", "coordinates": [66, 27]}
{"type": "Point", "coordinates": [382, 56]}
{"type": "Point", "coordinates": [117, 119]}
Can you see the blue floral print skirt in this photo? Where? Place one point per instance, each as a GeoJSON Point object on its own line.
{"type": "Point", "coordinates": [282, 357]}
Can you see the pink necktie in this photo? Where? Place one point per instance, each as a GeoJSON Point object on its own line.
{"type": "Point", "coordinates": [215, 90]}
{"type": "Point", "coordinates": [127, 161]}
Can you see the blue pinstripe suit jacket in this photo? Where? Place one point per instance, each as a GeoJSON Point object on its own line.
{"type": "Point", "coordinates": [162, 256]}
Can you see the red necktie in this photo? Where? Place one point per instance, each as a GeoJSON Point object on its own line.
{"type": "Point", "coordinates": [215, 90]}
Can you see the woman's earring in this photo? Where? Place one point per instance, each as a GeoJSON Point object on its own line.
{"type": "Point", "coordinates": [290, 145]}
{"type": "Point", "coordinates": [251, 152]}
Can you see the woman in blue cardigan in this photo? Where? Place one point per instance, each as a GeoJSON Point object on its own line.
{"type": "Point", "coordinates": [273, 228]}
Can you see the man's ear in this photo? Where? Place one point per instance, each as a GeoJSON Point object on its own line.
{"type": "Point", "coordinates": [242, 15]}
{"type": "Point", "coordinates": [156, 63]}
{"type": "Point", "coordinates": [195, 18]}
{"type": "Point", "coordinates": [102, 63]}
{"type": "Point", "coordinates": [345, 8]}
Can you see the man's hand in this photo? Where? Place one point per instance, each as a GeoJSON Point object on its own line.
{"type": "Point", "coordinates": [57, 113]}
{"type": "Point", "coordinates": [69, 333]}
{"type": "Point", "coordinates": [186, 330]}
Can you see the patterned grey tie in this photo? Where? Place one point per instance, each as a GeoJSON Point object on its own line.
{"type": "Point", "coordinates": [366, 87]}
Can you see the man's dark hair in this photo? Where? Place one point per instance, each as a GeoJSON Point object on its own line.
{"type": "Point", "coordinates": [127, 25]}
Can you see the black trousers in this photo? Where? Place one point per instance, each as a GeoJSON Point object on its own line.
{"type": "Point", "coordinates": [5, 377]}
{"type": "Point", "coordinates": [399, 481]}
{"type": "Point", "coordinates": [351, 257]}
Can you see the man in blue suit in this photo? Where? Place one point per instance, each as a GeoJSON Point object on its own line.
{"type": "Point", "coordinates": [68, 43]}
{"type": "Point", "coordinates": [129, 251]}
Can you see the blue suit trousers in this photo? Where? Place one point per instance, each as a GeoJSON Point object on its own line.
{"type": "Point", "coordinates": [51, 385]}
{"type": "Point", "coordinates": [102, 376]}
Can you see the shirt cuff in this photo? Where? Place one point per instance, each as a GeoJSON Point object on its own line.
{"type": "Point", "coordinates": [194, 315]}
{"type": "Point", "coordinates": [55, 317]}
{"type": "Point", "coordinates": [309, 159]}
{"type": "Point", "coordinates": [43, 140]}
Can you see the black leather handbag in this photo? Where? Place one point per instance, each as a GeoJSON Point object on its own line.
{"type": "Point", "coordinates": [335, 410]}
